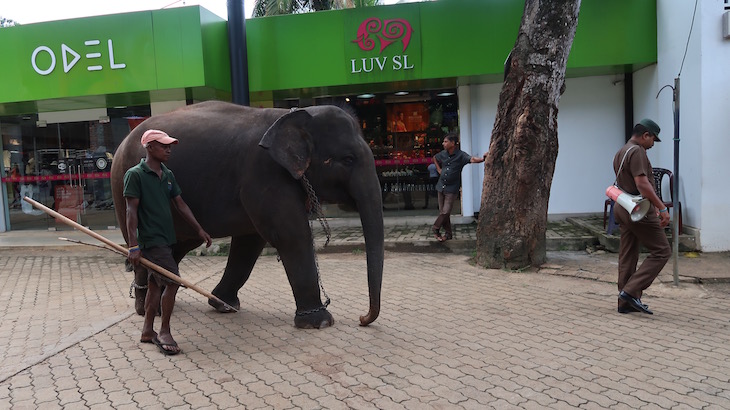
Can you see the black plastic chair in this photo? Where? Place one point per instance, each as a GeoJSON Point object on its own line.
{"type": "Point", "coordinates": [610, 224]}
{"type": "Point", "coordinates": [659, 174]}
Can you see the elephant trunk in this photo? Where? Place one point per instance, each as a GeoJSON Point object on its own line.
{"type": "Point", "coordinates": [370, 206]}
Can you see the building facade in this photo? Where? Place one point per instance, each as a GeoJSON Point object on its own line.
{"type": "Point", "coordinates": [411, 73]}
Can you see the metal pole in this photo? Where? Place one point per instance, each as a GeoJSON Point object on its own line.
{"type": "Point", "coordinates": [675, 188]}
{"type": "Point", "coordinates": [238, 52]}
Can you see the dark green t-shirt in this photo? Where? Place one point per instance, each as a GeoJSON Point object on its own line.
{"type": "Point", "coordinates": [154, 216]}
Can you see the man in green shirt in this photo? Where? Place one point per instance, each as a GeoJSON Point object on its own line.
{"type": "Point", "coordinates": [149, 189]}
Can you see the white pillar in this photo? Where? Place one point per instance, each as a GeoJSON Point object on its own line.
{"type": "Point", "coordinates": [465, 136]}
{"type": "Point", "coordinates": [3, 205]}
{"type": "Point", "coordinates": [163, 107]}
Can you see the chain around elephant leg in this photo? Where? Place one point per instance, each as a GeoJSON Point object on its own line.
{"type": "Point", "coordinates": [317, 318]}
{"type": "Point", "coordinates": [315, 209]}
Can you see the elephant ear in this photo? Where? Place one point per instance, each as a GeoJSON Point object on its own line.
{"type": "Point", "coordinates": [289, 143]}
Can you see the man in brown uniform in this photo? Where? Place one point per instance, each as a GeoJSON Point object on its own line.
{"type": "Point", "coordinates": [635, 177]}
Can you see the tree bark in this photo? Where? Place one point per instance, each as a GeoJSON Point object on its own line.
{"type": "Point", "coordinates": [521, 160]}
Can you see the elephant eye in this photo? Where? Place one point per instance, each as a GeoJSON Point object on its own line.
{"type": "Point", "coordinates": [348, 160]}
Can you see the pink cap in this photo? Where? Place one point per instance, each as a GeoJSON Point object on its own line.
{"type": "Point", "coordinates": [157, 135]}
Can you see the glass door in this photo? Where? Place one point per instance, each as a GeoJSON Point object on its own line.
{"type": "Point", "coordinates": [64, 166]}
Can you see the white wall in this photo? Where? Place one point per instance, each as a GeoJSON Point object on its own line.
{"type": "Point", "coordinates": [467, 141]}
{"type": "Point", "coordinates": [484, 99]}
{"type": "Point", "coordinates": [715, 127]}
{"type": "Point", "coordinates": [4, 218]}
{"type": "Point", "coordinates": [673, 24]}
{"type": "Point", "coordinates": [591, 124]}
{"type": "Point", "coordinates": [704, 146]}
{"type": "Point", "coordinates": [590, 131]}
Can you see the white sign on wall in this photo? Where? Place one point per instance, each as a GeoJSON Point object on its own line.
{"type": "Point", "coordinates": [69, 63]}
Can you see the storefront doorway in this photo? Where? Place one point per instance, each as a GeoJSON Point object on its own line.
{"type": "Point", "coordinates": [65, 166]}
{"type": "Point", "coordinates": [404, 131]}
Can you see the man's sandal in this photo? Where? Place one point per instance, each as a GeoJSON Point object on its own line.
{"type": "Point", "coordinates": [161, 346]}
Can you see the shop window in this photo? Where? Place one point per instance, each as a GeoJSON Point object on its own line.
{"type": "Point", "coordinates": [64, 166]}
{"type": "Point", "coordinates": [404, 133]}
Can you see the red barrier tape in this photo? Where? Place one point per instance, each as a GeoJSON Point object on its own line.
{"type": "Point", "coordinates": [61, 177]}
{"type": "Point", "coordinates": [106, 175]}
{"type": "Point", "coordinates": [404, 161]}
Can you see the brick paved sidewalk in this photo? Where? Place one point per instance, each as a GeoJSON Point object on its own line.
{"type": "Point", "coordinates": [450, 335]}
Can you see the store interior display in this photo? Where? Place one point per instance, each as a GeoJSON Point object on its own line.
{"type": "Point", "coordinates": [404, 137]}
{"type": "Point", "coordinates": [64, 166]}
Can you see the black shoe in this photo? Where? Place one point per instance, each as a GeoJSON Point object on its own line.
{"type": "Point", "coordinates": [626, 309]}
{"type": "Point", "coordinates": [634, 303]}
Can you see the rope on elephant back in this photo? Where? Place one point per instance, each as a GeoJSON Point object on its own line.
{"type": "Point", "coordinates": [315, 209]}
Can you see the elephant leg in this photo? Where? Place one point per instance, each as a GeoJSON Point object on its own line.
{"type": "Point", "coordinates": [297, 256]}
{"type": "Point", "coordinates": [241, 259]}
{"type": "Point", "coordinates": [140, 288]}
{"type": "Point", "coordinates": [180, 249]}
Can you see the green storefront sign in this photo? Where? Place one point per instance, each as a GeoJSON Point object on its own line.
{"type": "Point", "coordinates": [467, 40]}
{"type": "Point", "coordinates": [378, 47]}
{"type": "Point", "coordinates": [116, 54]}
{"type": "Point", "coordinates": [160, 55]}
{"type": "Point", "coordinates": [99, 56]}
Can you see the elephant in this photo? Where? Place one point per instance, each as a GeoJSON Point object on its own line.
{"type": "Point", "coordinates": [241, 171]}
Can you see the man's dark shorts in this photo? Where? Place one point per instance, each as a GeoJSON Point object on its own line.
{"type": "Point", "coordinates": [162, 256]}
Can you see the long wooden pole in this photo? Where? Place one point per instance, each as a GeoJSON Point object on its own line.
{"type": "Point", "coordinates": [125, 251]}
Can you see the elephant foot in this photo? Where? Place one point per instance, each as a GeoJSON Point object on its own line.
{"type": "Point", "coordinates": [221, 308]}
{"type": "Point", "coordinates": [319, 319]}
{"type": "Point", "coordinates": [139, 298]}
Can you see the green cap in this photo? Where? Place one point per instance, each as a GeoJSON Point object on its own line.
{"type": "Point", "coordinates": [652, 127]}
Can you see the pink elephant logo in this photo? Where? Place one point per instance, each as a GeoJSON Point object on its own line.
{"type": "Point", "coordinates": [387, 32]}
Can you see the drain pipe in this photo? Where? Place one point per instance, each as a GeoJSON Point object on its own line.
{"type": "Point", "coordinates": [238, 52]}
{"type": "Point", "coordinates": [628, 105]}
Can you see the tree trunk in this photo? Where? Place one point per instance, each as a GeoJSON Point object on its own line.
{"type": "Point", "coordinates": [519, 167]}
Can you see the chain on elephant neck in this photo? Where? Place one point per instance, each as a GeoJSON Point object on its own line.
{"type": "Point", "coordinates": [315, 209]}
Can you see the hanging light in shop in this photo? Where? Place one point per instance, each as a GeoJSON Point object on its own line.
{"type": "Point", "coordinates": [366, 95]}
{"type": "Point", "coordinates": [399, 93]}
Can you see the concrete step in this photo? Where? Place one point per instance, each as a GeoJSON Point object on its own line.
{"type": "Point", "coordinates": [416, 236]}
{"type": "Point", "coordinates": [688, 240]}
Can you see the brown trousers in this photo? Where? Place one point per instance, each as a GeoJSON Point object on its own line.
{"type": "Point", "coordinates": [446, 203]}
{"type": "Point", "coordinates": [645, 232]}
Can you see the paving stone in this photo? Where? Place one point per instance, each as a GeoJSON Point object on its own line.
{"type": "Point", "coordinates": [94, 397]}
{"type": "Point", "coordinates": [45, 394]}
{"type": "Point", "coordinates": [69, 396]}
{"type": "Point", "coordinates": [146, 399]}
{"type": "Point", "coordinates": [445, 339]}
